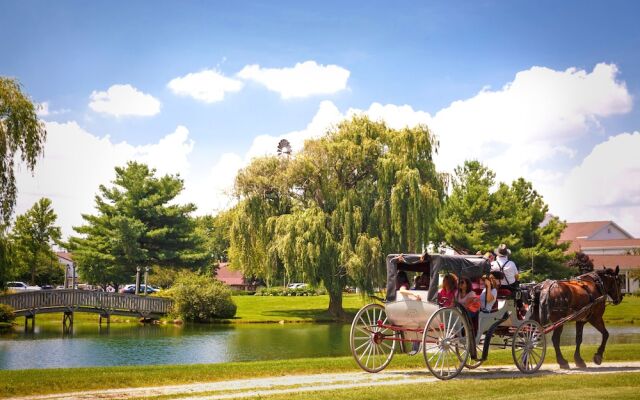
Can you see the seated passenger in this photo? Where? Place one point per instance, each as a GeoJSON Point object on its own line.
{"type": "Point", "coordinates": [468, 298]}
{"type": "Point", "coordinates": [402, 283]}
{"type": "Point", "coordinates": [489, 293]}
{"type": "Point", "coordinates": [421, 282]}
{"type": "Point", "coordinates": [447, 294]}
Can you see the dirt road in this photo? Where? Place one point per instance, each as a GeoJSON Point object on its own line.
{"type": "Point", "coordinates": [319, 382]}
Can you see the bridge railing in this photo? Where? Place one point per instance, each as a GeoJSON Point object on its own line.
{"type": "Point", "coordinates": [78, 299]}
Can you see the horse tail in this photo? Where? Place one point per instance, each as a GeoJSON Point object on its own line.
{"type": "Point", "coordinates": [544, 307]}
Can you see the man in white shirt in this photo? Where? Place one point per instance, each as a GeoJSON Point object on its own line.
{"type": "Point", "coordinates": [506, 266]}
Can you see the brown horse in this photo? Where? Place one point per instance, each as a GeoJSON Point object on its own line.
{"type": "Point", "coordinates": [559, 301]}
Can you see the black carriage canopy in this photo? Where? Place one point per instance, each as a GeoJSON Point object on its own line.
{"type": "Point", "coordinates": [462, 266]}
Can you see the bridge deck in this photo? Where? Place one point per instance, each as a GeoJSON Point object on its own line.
{"type": "Point", "coordinates": [69, 300]}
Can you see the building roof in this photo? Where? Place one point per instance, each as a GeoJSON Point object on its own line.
{"type": "Point", "coordinates": [65, 255]}
{"type": "Point", "coordinates": [582, 229]}
{"type": "Point", "coordinates": [228, 276]}
{"type": "Point", "coordinates": [614, 244]}
{"type": "Point", "coordinates": [611, 261]}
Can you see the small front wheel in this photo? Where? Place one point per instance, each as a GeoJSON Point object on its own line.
{"type": "Point", "coordinates": [368, 340]}
{"type": "Point", "coordinates": [446, 343]}
{"type": "Point", "coordinates": [529, 347]}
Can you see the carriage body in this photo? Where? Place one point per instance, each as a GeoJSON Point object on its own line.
{"type": "Point", "coordinates": [379, 331]}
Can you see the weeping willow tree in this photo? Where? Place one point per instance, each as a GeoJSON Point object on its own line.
{"type": "Point", "coordinates": [334, 209]}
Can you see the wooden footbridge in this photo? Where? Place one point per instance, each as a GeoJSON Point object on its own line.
{"type": "Point", "coordinates": [69, 301]}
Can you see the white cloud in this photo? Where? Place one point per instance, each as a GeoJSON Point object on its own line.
{"type": "Point", "coordinates": [605, 185]}
{"type": "Point", "coordinates": [209, 86]}
{"type": "Point", "coordinates": [77, 162]}
{"type": "Point", "coordinates": [303, 80]}
{"type": "Point", "coordinates": [42, 109]}
{"type": "Point", "coordinates": [123, 101]}
{"type": "Point", "coordinates": [529, 120]}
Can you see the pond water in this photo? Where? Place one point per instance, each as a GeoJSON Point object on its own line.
{"type": "Point", "coordinates": [126, 344]}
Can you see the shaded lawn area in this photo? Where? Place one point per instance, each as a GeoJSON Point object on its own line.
{"type": "Point", "coordinates": [21, 382]}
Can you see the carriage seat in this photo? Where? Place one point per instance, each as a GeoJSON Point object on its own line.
{"type": "Point", "coordinates": [504, 293]}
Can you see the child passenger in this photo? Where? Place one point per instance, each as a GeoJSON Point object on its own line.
{"type": "Point", "coordinates": [447, 294]}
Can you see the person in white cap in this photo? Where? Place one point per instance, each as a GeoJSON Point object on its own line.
{"type": "Point", "coordinates": [508, 268]}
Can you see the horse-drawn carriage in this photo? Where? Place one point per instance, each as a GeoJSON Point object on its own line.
{"type": "Point", "coordinates": [448, 338]}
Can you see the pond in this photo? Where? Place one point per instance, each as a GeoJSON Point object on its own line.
{"type": "Point", "coordinates": [125, 344]}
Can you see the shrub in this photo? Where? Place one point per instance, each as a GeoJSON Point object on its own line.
{"type": "Point", "coordinates": [280, 291]}
{"type": "Point", "coordinates": [6, 313]}
{"type": "Point", "coordinates": [199, 298]}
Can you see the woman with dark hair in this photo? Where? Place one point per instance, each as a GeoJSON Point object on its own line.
{"type": "Point", "coordinates": [402, 284]}
{"type": "Point", "coordinates": [467, 297]}
{"type": "Point", "coordinates": [447, 294]}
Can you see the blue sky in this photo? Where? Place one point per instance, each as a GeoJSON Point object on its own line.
{"type": "Point", "coordinates": [559, 80]}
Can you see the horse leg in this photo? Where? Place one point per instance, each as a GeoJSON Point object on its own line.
{"type": "Point", "coordinates": [599, 325]}
{"type": "Point", "coordinates": [564, 364]}
{"type": "Point", "coordinates": [576, 356]}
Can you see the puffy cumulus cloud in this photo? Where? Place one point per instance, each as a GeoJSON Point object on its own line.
{"type": "Point", "coordinates": [604, 186]}
{"type": "Point", "coordinates": [123, 101]}
{"type": "Point", "coordinates": [76, 163]}
{"type": "Point", "coordinates": [208, 86]}
{"type": "Point", "coordinates": [536, 116]}
{"type": "Point", "coordinates": [303, 80]}
{"type": "Point", "coordinates": [42, 109]}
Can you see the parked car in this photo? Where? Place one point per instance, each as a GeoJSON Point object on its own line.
{"type": "Point", "coordinates": [21, 286]}
{"type": "Point", "coordinates": [131, 289]}
{"type": "Point", "coordinates": [297, 286]}
{"type": "Point", "coordinates": [46, 287]}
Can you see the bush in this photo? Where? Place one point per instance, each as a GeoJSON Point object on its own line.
{"type": "Point", "coordinates": [199, 298]}
{"type": "Point", "coordinates": [280, 291]}
{"type": "Point", "coordinates": [6, 313]}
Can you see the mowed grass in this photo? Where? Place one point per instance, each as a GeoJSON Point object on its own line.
{"type": "Point", "coordinates": [46, 381]}
{"type": "Point", "coordinates": [263, 309]}
{"type": "Point", "coordinates": [539, 386]}
{"type": "Point", "coordinates": [627, 312]}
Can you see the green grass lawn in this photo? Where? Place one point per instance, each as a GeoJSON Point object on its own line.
{"type": "Point", "coordinates": [291, 309]}
{"type": "Point", "coordinates": [627, 312]}
{"type": "Point", "coordinates": [21, 382]}
{"type": "Point", "coordinates": [580, 387]}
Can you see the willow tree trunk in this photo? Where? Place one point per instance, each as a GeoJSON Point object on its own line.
{"type": "Point", "coordinates": [335, 305]}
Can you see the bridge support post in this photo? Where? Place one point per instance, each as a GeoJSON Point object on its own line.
{"type": "Point", "coordinates": [105, 316]}
{"type": "Point", "coordinates": [31, 317]}
{"type": "Point", "coordinates": [67, 321]}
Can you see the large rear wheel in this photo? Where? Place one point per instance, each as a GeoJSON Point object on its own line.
{"type": "Point", "coordinates": [529, 347]}
{"type": "Point", "coordinates": [368, 341]}
{"type": "Point", "coordinates": [446, 342]}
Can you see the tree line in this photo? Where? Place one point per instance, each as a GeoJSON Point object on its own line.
{"type": "Point", "coordinates": [327, 214]}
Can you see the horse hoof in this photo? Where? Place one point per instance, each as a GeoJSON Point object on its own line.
{"type": "Point", "coordinates": [597, 359]}
{"type": "Point", "coordinates": [580, 364]}
{"type": "Point", "coordinates": [564, 366]}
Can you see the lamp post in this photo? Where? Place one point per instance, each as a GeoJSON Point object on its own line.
{"type": "Point", "coordinates": [137, 291]}
{"type": "Point", "coordinates": [146, 274]}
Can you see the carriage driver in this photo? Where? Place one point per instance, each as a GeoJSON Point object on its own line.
{"type": "Point", "coordinates": [507, 267]}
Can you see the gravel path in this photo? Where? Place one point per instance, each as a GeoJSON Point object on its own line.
{"type": "Point", "coordinates": [318, 382]}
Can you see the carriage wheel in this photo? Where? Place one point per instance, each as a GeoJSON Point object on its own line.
{"type": "Point", "coordinates": [445, 343]}
{"type": "Point", "coordinates": [368, 345]}
{"type": "Point", "coordinates": [529, 347]}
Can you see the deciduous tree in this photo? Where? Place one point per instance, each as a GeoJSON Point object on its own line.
{"type": "Point", "coordinates": [32, 236]}
{"type": "Point", "coordinates": [334, 209]}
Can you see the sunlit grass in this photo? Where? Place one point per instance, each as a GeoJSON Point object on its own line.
{"type": "Point", "coordinates": [21, 382]}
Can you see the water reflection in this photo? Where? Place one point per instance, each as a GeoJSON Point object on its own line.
{"type": "Point", "coordinates": [124, 344]}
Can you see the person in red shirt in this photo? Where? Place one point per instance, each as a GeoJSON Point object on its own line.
{"type": "Point", "coordinates": [447, 294]}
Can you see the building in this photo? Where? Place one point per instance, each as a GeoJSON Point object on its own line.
{"type": "Point", "coordinates": [233, 279]}
{"type": "Point", "coordinates": [608, 245]}
{"type": "Point", "coordinates": [66, 259]}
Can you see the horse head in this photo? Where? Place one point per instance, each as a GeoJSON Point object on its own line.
{"type": "Point", "coordinates": [612, 282]}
